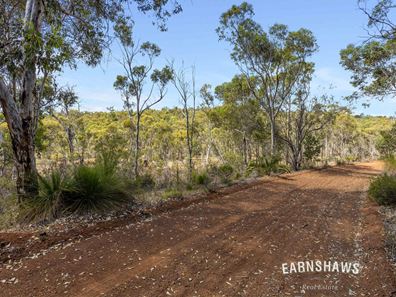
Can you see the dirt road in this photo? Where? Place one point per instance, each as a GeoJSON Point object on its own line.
{"type": "Point", "coordinates": [231, 246]}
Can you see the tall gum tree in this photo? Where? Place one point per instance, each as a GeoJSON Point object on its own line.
{"type": "Point", "coordinates": [141, 86]}
{"type": "Point", "coordinates": [40, 37]}
{"type": "Point", "coordinates": [275, 59]}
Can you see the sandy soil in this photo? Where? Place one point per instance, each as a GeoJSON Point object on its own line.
{"type": "Point", "coordinates": [233, 244]}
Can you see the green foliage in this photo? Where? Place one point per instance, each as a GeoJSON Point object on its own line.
{"type": "Point", "coordinates": [276, 61]}
{"type": "Point", "coordinates": [110, 149]}
{"type": "Point", "coordinates": [390, 164]}
{"type": "Point", "coordinates": [351, 158]}
{"type": "Point", "coordinates": [49, 203]}
{"type": "Point", "coordinates": [144, 182]}
{"type": "Point", "coordinates": [371, 65]}
{"type": "Point", "coordinates": [8, 203]}
{"type": "Point", "coordinates": [383, 189]}
{"type": "Point", "coordinates": [94, 189]}
{"type": "Point", "coordinates": [312, 147]}
{"type": "Point", "coordinates": [50, 194]}
{"type": "Point", "coordinates": [225, 173]}
{"type": "Point", "coordinates": [172, 193]}
{"type": "Point", "coordinates": [202, 179]}
{"type": "Point", "coordinates": [267, 166]}
{"type": "Point", "coordinates": [6, 154]}
{"type": "Point", "coordinates": [372, 62]}
{"type": "Point", "coordinates": [87, 189]}
{"type": "Point", "coordinates": [386, 144]}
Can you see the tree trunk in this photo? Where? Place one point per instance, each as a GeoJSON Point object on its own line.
{"type": "Point", "coordinates": [137, 145]}
{"type": "Point", "coordinates": [22, 117]}
{"type": "Point", "coordinates": [70, 141]}
{"type": "Point", "coordinates": [189, 140]}
{"type": "Point", "coordinates": [21, 126]}
{"type": "Point", "coordinates": [27, 177]}
{"type": "Point", "coordinates": [245, 157]}
{"type": "Point", "coordinates": [272, 126]}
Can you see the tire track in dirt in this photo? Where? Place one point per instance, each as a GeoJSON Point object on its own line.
{"type": "Point", "coordinates": [232, 221]}
{"type": "Point", "coordinates": [159, 260]}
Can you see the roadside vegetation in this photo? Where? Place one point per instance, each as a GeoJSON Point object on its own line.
{"type": "Point", "coordinates": [99, 176]}
{"type": "Point", "coordinates": [56, 160]}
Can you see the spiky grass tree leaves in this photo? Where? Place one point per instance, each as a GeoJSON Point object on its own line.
{"type": "Point", "coordinates": [94, 189]}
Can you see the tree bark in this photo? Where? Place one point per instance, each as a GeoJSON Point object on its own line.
{"type": "Point", "coordinates": [137, 145]}
{"type": "Point", "coordinates": [272, 127]}
{"type": "Point", "coordinates": [21, 118]}
{"type": "Point", "coordinates": [22, 132]}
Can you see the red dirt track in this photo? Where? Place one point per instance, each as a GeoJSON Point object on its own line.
{"type": "Point", "coordinates": [233, 245]}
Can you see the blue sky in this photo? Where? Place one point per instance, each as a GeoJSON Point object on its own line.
{"type": "Point", "coordinates": [191, 38]}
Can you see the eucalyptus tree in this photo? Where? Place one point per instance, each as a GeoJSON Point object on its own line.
{"type": "Point", "coordinates": [275, 59]}
{"type": "Point", "coordinates": [373, 62]}
{"type": "Point", "coordinates": [141, 86]}
{"type": "Point", "coordinates": [186, 88]}
{"type": "Point", "coordinates": [40, 37]}
{"type": "Point", "coordinates": [241, 114]}
{"type": "Point", "coordinates": [303, 118]}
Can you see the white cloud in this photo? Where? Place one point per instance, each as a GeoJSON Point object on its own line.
{"type": "Point", "coordinates": [329, 77]}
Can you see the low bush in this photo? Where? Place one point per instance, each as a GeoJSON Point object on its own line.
{"type": "Point", "coordinates": [143, 182]}
{"type": "Point", "coordinates": [267, 166]}
{"type": "Point", "coordinates": [172, 193]}
{"type": "Point", "coordinates": [225, 173]}
{"type": "Point", "coordinates": [201, 179]}
{"type": "Point", "coordinates": [383, 189]}
{"type": "Point", "coordinates": [351, 158]}
{"type": "Point", "coordinates": [390, 164]}
{"type": "Point", "coordinates": [8, 203]}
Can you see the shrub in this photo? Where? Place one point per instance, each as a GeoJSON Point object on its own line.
{"type": "Point", "coordinates": [266, 166]}
{"type": "Point", "coordinates": [351, 158]}
{"type": "Point", "coordinates": [8, 203]}
{"type": "Point", "coordinates": [144, 182]}
{"type": "Point", "coordinates": [94, 189]}
{"type": "Point", "coordinates": [225, 172]}
{"type": "Point", "coordinates": [383, 189]}
{"type": "Point", "coordinates": [390, 164]}
{"type": "Point", "coordinates": [172, 193]}
{"type": "Point", "coordinates": [202, 179]}
{"type": "Point", "coordinates": [312, 147]}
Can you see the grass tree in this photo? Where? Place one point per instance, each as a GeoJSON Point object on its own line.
{"type": "Point", "coordinates": [141, 86]}
{"type": "Point", "coordinates": [274, 59]}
